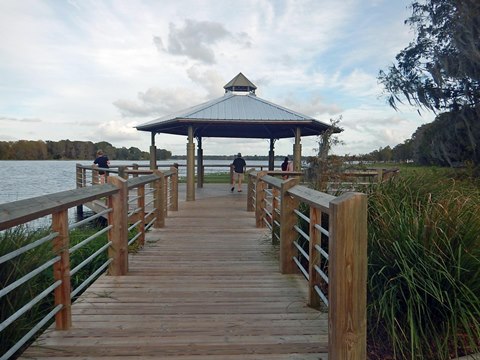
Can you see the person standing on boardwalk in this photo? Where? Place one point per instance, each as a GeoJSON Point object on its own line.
{"type": "Point", "coordinates": [239, 166]}
{"type": "Point", "coordinates": [287, 165]}
{"type": "Point", "coordinates": [101, 161]}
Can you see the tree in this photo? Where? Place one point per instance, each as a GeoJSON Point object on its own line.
{"type": "Point", "coordinates": [163, 154]}
{"type": "Point", "coordinates": [321, 165]}
{"type": "Point", "coordinates": [440, 69]}
{"type": "Point", "coordinates": [403, 152]}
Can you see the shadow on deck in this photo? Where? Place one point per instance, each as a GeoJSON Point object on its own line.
{"type": "Point", "coordinates": [207, 286]}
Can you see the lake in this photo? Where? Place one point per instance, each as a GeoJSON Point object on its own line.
{"type": "Point", "coordinates": [25, 179]}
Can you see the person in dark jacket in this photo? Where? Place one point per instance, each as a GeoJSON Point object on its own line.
{"type": "Point", "coordinates": [239, 166]}
{"type": "Point", "coordinates": [102, 162]}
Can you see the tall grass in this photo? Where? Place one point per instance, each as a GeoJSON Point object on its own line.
{"type": "Point", "coordinates": [12, 270]}
{"type": "Point", "coordinates": [424, 267]}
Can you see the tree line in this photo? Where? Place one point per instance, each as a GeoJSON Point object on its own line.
{"type": "Point", "coordinates": [71, 150]}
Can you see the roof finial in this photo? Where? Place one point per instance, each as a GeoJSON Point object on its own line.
{"type": "Point", "coordinates": [241, 84]}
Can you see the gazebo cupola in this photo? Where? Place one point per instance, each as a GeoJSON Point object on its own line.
{"type": "Point", "coordinates": [240, 84]}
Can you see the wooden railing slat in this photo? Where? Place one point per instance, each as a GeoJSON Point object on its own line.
{"type": "Point", "coordinates": [22, 211]}
{"type": "Point", "coordinates": [312, 197]}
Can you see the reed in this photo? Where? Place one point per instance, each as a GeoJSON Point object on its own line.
{"type": "Point", "coordinates": [424, 267]}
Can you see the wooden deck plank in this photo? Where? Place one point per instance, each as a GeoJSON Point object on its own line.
{"type": "Point", "coordinates": [206, 286]}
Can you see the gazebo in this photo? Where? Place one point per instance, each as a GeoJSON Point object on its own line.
{"type": "Point", "coordinates": [239, 113]}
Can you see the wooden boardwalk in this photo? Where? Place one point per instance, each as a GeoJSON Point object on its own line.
{"type": "Point", "coordinates": [206, 286]}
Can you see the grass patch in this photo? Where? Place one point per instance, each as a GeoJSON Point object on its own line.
{"type": "Point", "coordinates": [424, 266]}
{"type": "Point", "coordinates": [217, 178]}
{"type": "Point", "coordinates": [212, 178]}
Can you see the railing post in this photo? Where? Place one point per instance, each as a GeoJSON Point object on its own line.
{"type": "Point", "coordinates": [287, 231]}
{"type": "Point", "coordinates": [275, 215]}
{"type": "Point", "coordinates": [174, 189]}
{"type": "Point", "coordinates": [159, 202]}
{"type": "Point", "coordinates": [315, 239]}
{"type": "Point", "coordinates": [260, 200]}
{"type": "Point", "coordinates": [118, 234]}
{"type": "Point", "coordinates": [95, 177]}
{"type": "Point", "coordinates": [141, 214]}
{"type": "Point", "coordinates": [165, 196]}
{"type": "Point", "coordinates": [61, 270]}
{"type": "Point", "coordinates": [78, 175]}
{"type": "Point", "coordinates": [250, 191]}
{"type": "Point", "coordinates": [348, 277]}
{"type": "Point", "coordinates": [84, 177]}
{"type": "Point", "coordinates": [135, 167]}
{"type": "Point", "coordinates": [80, 183]}
{"type": "Point", "coordinates": [122, 173]}
{"type": "Point", "coordinates": [379, 175]}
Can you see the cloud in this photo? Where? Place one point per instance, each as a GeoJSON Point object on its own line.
{"type": "Point", "coordinates": [116, 131]}
{"type": "Point", "coordinates": [314, 106]}
{"type": "Point", "coordinates": [210, 80]}
{"type": "Point", "coordinates": [158, 102]}
{"type": "Point", "coordinates": [25, 120]}
{"type": "Point", "coordinates": [197, 38]}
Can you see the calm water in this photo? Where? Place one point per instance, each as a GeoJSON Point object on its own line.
{"type": "Point", "coordinates": [26, 179]}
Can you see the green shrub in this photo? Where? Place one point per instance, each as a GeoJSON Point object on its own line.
{"type": "Point", "coordinates": [424, 267]}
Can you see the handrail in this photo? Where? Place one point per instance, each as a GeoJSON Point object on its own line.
{"type": "Point", "coordinates": [22, 211]}
{"type": "Point", "coordinates": [326, 241]}
{"type": "Point", "coordinates": [162, 186]}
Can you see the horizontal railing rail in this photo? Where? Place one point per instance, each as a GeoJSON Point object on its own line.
{"type": "Point", "coordinates": [324, 238]}
{"type": "Point", "coordinates": [106, 250]}
{"type": "Point", "coordinates": [353, 180]}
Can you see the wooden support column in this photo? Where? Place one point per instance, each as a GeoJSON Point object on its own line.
{"type": "Point", "coordinates": [297, 151]}
{"type": "Point", "coordinates": [153, 153]}
{"type": "Point", "coordinates": [199, 163]}
{"type": "Point", "coordinates": [260, 200]}
{"type": "Point", "coordinates": [174, 189]}
{"type": "Point", "coordinates": [61, 270]}
{"type": "Point", "coordinates": [348, 277]}
{"type": "Point", "coordinates": [287, 231]}
{"type": "Point", "coordinates": [118, 234]}
{"type": "Point", "coordinates": [190, 166]}
{"type": "Point", "coordinates": [271, 156]}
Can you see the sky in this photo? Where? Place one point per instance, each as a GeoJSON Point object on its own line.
{"type": "Point", "coordinates": [91, 70]}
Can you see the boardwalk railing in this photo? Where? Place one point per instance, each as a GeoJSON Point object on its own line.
{"type": "Point", "coordinates": [128, 220]}
{"type": "Point", "coordinates": [325, 238]}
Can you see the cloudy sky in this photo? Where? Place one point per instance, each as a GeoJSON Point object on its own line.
{"type": "Point", "coordinates": [93, 69]}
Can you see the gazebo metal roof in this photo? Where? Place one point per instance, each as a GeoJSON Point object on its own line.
{"type": "Point", "coordinates": [237, 115]}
